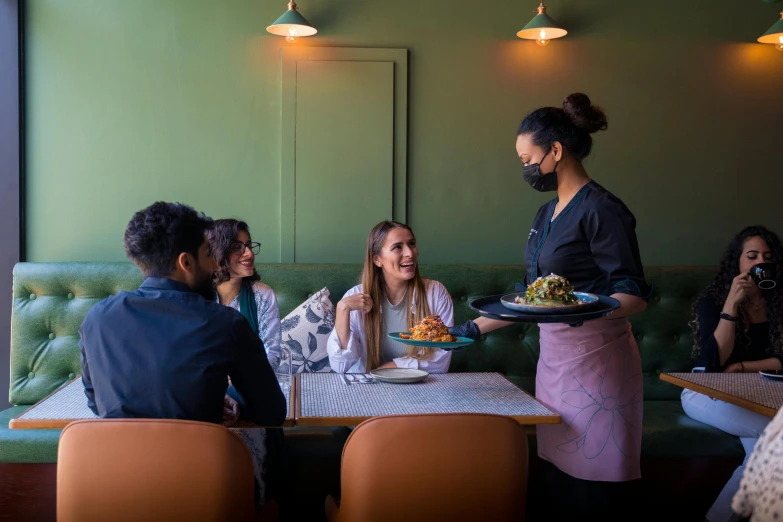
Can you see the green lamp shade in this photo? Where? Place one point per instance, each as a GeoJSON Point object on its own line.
{"type": "Point", "coordinates": [292, 21]}
{"type": "Point", "coordinates": [774, 34]}
{"type": "Point", "coordinates": [542, 22]}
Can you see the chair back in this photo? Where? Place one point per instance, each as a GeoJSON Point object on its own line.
{"type": "Point", "coordinates": [152, 470]}
{"type": "Point", "coordinates": [435, 468]}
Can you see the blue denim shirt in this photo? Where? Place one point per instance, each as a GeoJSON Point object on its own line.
{"type": "Point", "coordinates": [165, 352]}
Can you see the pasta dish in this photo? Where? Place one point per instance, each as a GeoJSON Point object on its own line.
{"type": "Point", "coordinates": [430, 329]}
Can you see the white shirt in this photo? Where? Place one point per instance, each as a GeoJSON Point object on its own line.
{"type": "Point", "coordinates": [268, 318]}
{"type": "Point", "coordinates": [353, 358]}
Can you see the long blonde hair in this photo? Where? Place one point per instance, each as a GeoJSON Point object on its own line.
{"type": "Point", "coordinates": [374, 284]}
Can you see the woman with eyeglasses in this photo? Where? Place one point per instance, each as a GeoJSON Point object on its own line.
{"type": "Point", "coordinates": [237, 283]}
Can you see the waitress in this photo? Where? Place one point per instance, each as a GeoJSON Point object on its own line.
{"type": "Point", "coordinates": [590, 375]}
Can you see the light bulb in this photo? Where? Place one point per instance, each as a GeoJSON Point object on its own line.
{"type": "Point", "coordinates": [542, 39]}
{"type": "Point", "coordinates": [291, 34]}
{"type": "Point", "coordinates": [779, 45]}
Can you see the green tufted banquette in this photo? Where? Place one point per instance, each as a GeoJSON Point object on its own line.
{"type": "Point", "coordinates": [51, 300]}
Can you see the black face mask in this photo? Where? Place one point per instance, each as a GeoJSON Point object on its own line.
{"type": "Point", "coordinates": [546, 182]}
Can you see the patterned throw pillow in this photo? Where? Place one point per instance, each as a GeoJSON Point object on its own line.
{"type": "Point", "coordinates": [307, 329]}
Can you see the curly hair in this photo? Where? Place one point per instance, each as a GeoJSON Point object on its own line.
{"type": "Point", "coordinates": [157, 235]}
{"type": "Point", "coordinates": [221, 237]}
{"type": "Point", "coordinates": [718, 291]}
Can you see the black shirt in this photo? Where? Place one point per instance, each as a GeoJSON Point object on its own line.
{"type": "Point", "coordinates": [592, 243]}
{"type": "Point", "coordinates": [708, 314]}
{"type": "Point", "coordinates": [165, 352]}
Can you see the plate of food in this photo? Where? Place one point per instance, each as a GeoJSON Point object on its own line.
{"type": "Point", "coordinates": [399, 375]}
{"type": "Point", "coordinates": [430, 332]}
{"type": "Point", "coordinates": [550, 294]}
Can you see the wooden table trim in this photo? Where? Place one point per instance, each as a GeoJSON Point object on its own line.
{"type": "Point", "coordinates": [717, 394]}
{"type": "Point", "coordinates": [47, 424]}
{"type": "Point", "coordinates": [525, 420]}
{"type": "Point", "coordinates": [40, 424]}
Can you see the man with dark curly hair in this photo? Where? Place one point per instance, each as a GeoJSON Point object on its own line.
{"type": "Point", "coordinates": [166, 350]}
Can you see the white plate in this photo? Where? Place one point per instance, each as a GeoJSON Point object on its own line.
{"type": "Point", "coordinates": [772, 375]}
{"type": "Point", "coordinates": [399, 375]}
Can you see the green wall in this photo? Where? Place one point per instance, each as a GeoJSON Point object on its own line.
{"type": "Point", "coordinates": [132, 101]}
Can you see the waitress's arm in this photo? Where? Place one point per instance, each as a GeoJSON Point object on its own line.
{"type": "Point", "coordinates": [487, 325]}
{"type": "Point", "coordinates": [629, 305]}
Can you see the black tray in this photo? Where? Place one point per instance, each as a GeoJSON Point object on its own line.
{"type": "Point", "coordinates": [492, 308]}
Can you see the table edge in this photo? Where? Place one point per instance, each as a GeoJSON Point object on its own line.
{"type": "Point", "coordinates": [717, 394]}
{"type": "Point", "coordinates": [47, 424]}
{"type": "Point", "coordinates": [529, 420]}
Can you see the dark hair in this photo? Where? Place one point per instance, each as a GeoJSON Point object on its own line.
{"type": "Point", "coordinates": [718, 291]}
{"type": "Point", "coordinates": [157, 235]}
{"type": "Point", "coordinates": [220, 238]}
{"type": "Point", "coordinates": [571, 125]}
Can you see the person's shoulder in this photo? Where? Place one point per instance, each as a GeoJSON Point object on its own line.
{"type": "Point", "coordinates": [263, 289]}
{"type": "Point", "coordinates": [434, 286]}
{"type": "Point", "coordinates": [708, 305]}
{"type": "Point", "coordinates": [221, 313]}
{"type": "Point", "coordinates": [107, 306]}
{"type": "Point", "coordinates": [544, 209]}
{"type": "Point", "coordinates": [358, 289]}
{"type": "Point", "coordinates": [599, 197]}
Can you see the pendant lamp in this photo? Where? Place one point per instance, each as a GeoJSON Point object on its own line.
{"type": "Point", "coordinates": [292, 25]}
{"type": "Point", "coordinates": [542, 28]}
{"type": "Point", "coordinates": [774, 35]}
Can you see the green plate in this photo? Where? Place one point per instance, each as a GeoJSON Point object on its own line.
{"type": "Point", "coordinates": [461, 341]}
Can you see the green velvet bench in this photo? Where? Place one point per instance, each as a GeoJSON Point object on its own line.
{"type": "Point", "coordinates": [679, 455]}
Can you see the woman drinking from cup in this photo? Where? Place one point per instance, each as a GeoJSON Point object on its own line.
{"type": "Point", "coordinates": [392, 298]}
{"type": "Point", "coordinates": [738, 327]}
{"type": "Point", "coordinates": [590, 375]}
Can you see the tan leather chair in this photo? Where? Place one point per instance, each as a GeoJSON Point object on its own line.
{"type": "Point", "coordinates": [433, 468]}
{"type": "Point", "coordinates": [153, 470]}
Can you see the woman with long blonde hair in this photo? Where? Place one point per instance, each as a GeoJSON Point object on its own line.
{"type": "Point", "coordinates": [391, 298]}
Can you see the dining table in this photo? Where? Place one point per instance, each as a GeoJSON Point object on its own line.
{"type": "Point", "coordinates": [752, 391]}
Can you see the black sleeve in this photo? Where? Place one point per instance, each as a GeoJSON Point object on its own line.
{"type": "Point", "coordinates": [708, 315]}
{"type": "Point", "coordinates": [611, 231]}
{"type": "Point", "coordinates": [255, 380]}
{"type": "Point", "coordinates": [86, 379]}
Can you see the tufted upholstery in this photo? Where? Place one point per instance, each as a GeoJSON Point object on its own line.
{"type": "Point", "coordinates": [51, 300]}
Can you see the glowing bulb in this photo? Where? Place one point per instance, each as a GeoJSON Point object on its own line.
{"type": "Point", "coordinates": [291, 34]}
{"type": "Point", "coordinates": [542, 39]}
{"type": "Point", "coordinates": [779, 45]}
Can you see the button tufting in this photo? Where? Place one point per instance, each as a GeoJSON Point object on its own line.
{"type": "Point", "coordinates": [639, 336]}
{"type": "Point", "coordinates": [71, 375]}
{"type": "Point", "coordinates": [521, 337]}
{"type": "Point", "coordinates": [70, 295]}
{"type": "Point", "coordinates": [464, 298]}
{"type": "Point", "coordinates": [30, 375]}
{"type": "Point", "coordinates": [676, 338]}
{"type": "Point", "coordinates": [52, 336]}
{"type": "Point", "coordinates": [32, 297]}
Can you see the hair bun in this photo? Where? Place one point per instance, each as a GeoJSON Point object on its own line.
{"type": "Point", "coordinates": [584, 114]}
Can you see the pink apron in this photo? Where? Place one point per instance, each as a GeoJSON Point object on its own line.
{"type": "Point", "coordinates": [592, 376]}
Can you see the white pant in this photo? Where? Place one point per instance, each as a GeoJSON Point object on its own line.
{"type": "Point", "coordinates": [734, 420]}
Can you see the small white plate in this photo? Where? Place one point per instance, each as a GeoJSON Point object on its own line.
{"type": "Point", "coordinates": [772, 375]}
{"type": "Point", "coordinates": [399, 375]}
